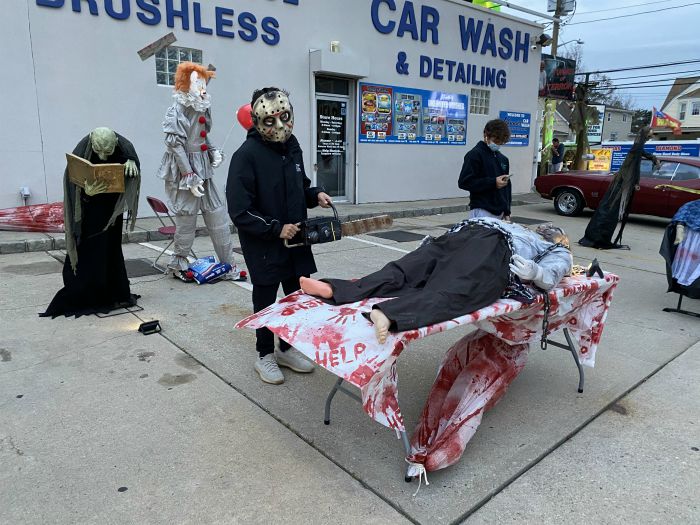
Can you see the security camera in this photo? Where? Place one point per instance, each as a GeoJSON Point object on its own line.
{"type": "Point", "coordinates": [543, 40]}
{"type": "Point", "coordinates": [533, 47]}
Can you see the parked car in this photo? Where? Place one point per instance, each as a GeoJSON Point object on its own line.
{"type": "Point", "coordinates": [573, 191]}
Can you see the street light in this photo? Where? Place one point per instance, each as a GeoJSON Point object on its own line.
{"type": "Point", "coordinates": [577, 40]}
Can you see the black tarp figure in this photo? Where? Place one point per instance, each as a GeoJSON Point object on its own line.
{"type": "Point", "coordinates": [616, 204]}
{"type": "Point", "coordinates": [94, 274]}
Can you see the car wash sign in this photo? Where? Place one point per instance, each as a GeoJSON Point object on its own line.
{"type": "Point", "coordinates": [200, 17]}
{"type": "Point", "coordinates": [477, 37]}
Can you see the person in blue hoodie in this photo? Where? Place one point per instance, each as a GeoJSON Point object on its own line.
{"type": "Point", "coordinates": [485, 174]}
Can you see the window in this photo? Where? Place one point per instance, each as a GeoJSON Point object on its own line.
{"type": "Point", "coordinates": [168, 59]}
{"type": "Point", "coordinates": [332, 85]}
{"type": "Point", "coordinates": [681, 114]}
{"type": "Point", "coordinates": [686, 172]}
{"type": "Point", "coordinates": [624, 117]}
{"type": "Point", "coordinates": [696, 108]}
{"type": "Point", "coordinates": [613, 136]}
{"type": "Point", "coordinates": [479, 101]}
{"type": "Point", "coordinates": [665, 172]}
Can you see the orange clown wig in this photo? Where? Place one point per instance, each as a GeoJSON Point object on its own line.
{"type": "Point", "coordinates": [184, 73]}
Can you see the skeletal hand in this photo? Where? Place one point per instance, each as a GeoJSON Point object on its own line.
{"type": "Point", "coordinates": [198, 190]}
{"type": "Point", "coordinates": [95, 189]}
{"type": "Point", "coordinates": [526, 269]}
{"type": "Point", "coordinates": [130, 169]}
{"type": "Point", "coordinates": [217, 158]}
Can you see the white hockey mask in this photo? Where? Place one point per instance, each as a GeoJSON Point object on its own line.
{"type": "Point", "coordinates": [273, 116]}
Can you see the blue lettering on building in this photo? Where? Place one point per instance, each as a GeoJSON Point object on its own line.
{"type": "Point", "coordinates": [203, 18]}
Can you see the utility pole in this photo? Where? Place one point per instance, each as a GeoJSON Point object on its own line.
{"type": "Point", "coordinates": [550, 105]}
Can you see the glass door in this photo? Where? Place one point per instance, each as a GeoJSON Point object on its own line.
{"type": "Point", "coordinates": [332, 144]}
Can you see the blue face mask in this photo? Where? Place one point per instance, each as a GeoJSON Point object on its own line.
{"type": "Point", "coordinates": [493, 146]}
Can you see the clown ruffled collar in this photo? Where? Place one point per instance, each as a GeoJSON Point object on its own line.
{"type": "Point", "coordinates": [191, 101]}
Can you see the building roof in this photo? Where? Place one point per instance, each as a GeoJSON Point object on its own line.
{"type": "Point", "coordinates": [693, 94]}
{"type": "Point", "coordinates": [680, 85]}
{"type": "Point", "coordinates": [619, 110]}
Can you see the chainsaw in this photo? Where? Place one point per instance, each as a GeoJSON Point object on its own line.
{"type": "Point", "coordinates": [318, 230]}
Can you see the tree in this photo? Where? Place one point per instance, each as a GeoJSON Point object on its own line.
{"type": "Point", "coordinates": [640, 118]}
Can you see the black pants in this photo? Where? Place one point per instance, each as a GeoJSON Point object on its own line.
{"type": "Point", "coordinates": [264, 296]}
{"type": "Point", "coordinates": [454, 275]}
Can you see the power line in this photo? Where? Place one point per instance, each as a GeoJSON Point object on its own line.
{"type": "Point", "coordinates": [625, 7]}
{"type": "Point", "coordinates": [650, 66]}
{"type": "Point", "coordinates": [654, 83]}
{"type": "Point", "coordinates": [659, 74]}
{"type": "Point", "coordinates": [633, 14]}
{"type": "Point", "coordinates": [636, 87]}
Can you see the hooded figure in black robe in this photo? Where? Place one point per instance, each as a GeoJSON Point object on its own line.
{"type": "Point", "coordinates": [94, 274]}
{"type": "Point", "coordinates": [617, 201]}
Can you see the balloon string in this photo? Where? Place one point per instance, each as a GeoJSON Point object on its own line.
{"type": "Point", "coordinates": [223, 146]}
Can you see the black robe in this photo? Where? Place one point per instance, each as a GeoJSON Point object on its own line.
{"type": "Point", "coordinates": [99, 283]}
{"type": "Point", "coordinates": [617, 201]}
{"type": "Point", "coordinates": [456, 274]}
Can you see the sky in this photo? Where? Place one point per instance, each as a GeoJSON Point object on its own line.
{"type": "Point", "coordinates": [653, 38]}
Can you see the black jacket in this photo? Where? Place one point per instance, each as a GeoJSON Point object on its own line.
{"type": "Point", "coordinates": [478, 176]}
{"type": "Point", "coordinates": [267, 188]}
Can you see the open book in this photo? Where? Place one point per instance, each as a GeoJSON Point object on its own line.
{"type": "Point", "coordinates": [81, 171]}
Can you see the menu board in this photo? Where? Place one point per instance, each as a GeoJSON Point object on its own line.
{"type": "Point", "coordinates": [396, 115]}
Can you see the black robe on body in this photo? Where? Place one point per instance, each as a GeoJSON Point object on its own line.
{"type": "Point", "coordinates": [99, 283]}
{"type": "Point", "coordinates": [456, 274]}
{"type": "Point", "coordinates": [616, 204]}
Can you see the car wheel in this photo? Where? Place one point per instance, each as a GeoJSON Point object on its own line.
{"type": "Point", "coordinates": [568, 202]}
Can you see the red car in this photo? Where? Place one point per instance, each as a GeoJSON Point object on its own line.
{"type": "Point", "coordinates": [573, 191]}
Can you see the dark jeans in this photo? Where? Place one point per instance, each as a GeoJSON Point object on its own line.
{"type": "Point", "coordinates": [264, 296]}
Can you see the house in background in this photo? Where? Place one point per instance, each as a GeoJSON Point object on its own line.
{"type": "Point", "coordinates": [617, 124]}
{"type": "Point", "coordinates": [683, 103]}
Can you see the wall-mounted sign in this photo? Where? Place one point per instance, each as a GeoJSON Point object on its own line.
{"type": "Point", "coordinates": [595, 131]}
{"type": "Point", "coordinates": [519, 125]}
{"type": "Point", "coordinates": [397, 115]}
{"type": "Point", "coordinates": [557, 77]}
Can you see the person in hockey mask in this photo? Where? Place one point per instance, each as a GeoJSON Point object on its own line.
{"type": "Point", "coordinates": [268, 194]}
{"type": "Point", "coordinates": [187, 169]}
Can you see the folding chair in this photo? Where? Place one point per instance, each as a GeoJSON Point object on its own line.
{"type": "Point", "coordinates": [159, 208]}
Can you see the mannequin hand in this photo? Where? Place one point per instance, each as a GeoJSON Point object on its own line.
{"type": "Point", "coordinates": [217, 158]}
{"type": "Point", "coordinates": [525, 269]}
{"type": "Point", "coordinates": [324, 200]}
{"type": "Point", "coordinates": [130, 169]}
{"type": "Point", "coordinates": [198, 190]}
{"type": "Point", "coordinates": [680, 234]}
{"type": "Point", "coordinates": [95, 189]}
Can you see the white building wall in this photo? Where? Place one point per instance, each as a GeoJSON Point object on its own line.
{"type": "Point", "coordinates": [88, 74]}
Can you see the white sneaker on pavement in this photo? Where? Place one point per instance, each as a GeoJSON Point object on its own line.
{"type": "Point", "coordinates": [294, 360]}
{"type": "Point", "coordinates": [267, 369]}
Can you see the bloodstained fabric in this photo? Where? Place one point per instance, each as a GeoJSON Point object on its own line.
{"type": "Point", "coordinates": [341, 340]}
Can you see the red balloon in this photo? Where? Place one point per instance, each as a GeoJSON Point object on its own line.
{"type": "Point", "coordinates": [244, 116]}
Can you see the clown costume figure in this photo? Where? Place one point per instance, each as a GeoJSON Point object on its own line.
{"type": "Point", "coordinates": [188, 169]}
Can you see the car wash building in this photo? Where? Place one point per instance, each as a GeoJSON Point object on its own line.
{"type": "Point", "coordinates": [388, 94]}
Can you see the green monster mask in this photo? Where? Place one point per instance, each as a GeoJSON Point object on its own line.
{"type": "Point", "coordinates": [103, 141]}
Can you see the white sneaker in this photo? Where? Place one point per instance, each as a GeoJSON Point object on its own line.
{"type": "Point", "coordinates": [294, 360]}
{"type": "Point", "coordinates": [267, 369]}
